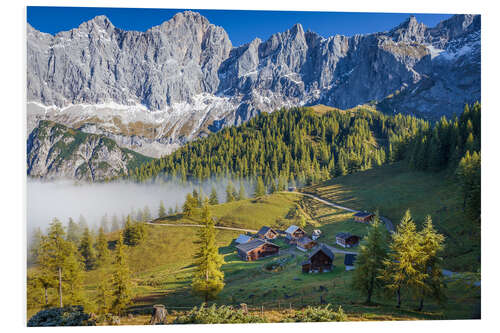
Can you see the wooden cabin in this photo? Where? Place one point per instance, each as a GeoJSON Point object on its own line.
{"type": "Point", "coordinates": [257, 249]}
{"type": "Point", "coordinates": [267, 233]}
{"type": "Point", "coordinates": [321, 260]}
{"type": "Point", "coordinates": [305, 243]}
{"type": "Point", "coordinates": [349, 260]}
{"type": "Point", "coordinates": [345, 239]}
{"type": "Point", "coordinates": [363, 217]}
{"type": "Point", "coordinates": [293, 233]}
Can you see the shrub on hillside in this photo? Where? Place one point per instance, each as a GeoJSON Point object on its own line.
{"type": "Point", "coordinates": [66, 316]}
{"type": "Point", "coordinates": [317, 314]}
{"type": "Point", "coordinates": [216, 315]}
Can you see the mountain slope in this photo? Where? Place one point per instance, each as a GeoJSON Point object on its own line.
{"type": "Point", "coordinates": [183, 79]}
{"type": "Point", "coordinates": [56, 151]}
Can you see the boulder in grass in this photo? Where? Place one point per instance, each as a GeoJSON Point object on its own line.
{"type": "Point", "coordinates": [159, 315]}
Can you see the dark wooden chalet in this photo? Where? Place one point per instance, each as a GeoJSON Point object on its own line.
{"type": "Point", "coordinates": [305, 243]}
{"type": "Point", "coordinates": [349, 260]}
{"type": "Point", "coordinates": [363, 217]}
{"type": "Point", "coordinates": [321, 260]}
{"type": "Point", "coordinates": [345, 239]}
{"type": "Point", "coordinates": [267, 233]}
{"type": "Point", "coordinates": [293, 233]}
{"type": "Point", "coordinates": [256, 249]}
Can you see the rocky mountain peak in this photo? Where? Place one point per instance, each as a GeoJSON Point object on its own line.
{"type": "Point", "coordinates": [409, 31]}
{"type": "Point", "coordinates": [98, 22]}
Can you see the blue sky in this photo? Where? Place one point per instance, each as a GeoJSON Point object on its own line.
{"type": "Point", "coordinates": [242, 26]}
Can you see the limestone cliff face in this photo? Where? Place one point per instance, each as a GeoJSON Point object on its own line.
{"type": "Point", "coordinates": [153, 91]}
{"type": "Point", "coordinates": [56, 151]}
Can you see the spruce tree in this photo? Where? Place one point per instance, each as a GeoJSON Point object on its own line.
{"type": "Point", "coordinates": [370, 260]}
{"type": "Point", "coordinates": [74, 233]}
{"type": "Point", "coordinates": [189, 205]}
{"type": "Point", "coordinates": [58, 261]}
{"type": "Point", "coordinates": [213, 199]}
{"type": "Point", "coordinates": [241, 194]}
{"type": "Point", "coordinates": [208, 279]}
{"type": "Point", "coordinates": [260, 189]}
{"type": "Point", "coordinates": [230, 192]}
{"type": "Point", "coordinates": [121, 283]}
{"type": "Point", "coordinates": [162, 213]}
{"type": "Point", "coordinates": [86, 249]}
{"type": "Point", "coordinates": [102, 250]}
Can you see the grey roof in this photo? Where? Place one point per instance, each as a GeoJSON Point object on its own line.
{"type": "Point", "coordinates": [343, 235]}
{"type": "Point", "coordinates": [243, 239]}
{"type": "Point", "coordinates": [325, 249]}
{"type": "Point", "coordinates": [362, 214]}
{"type": "Point", "coordinates": [264, 230]}
{"type": "Point", "coordinates": [304, 240]}
{"type": "Point", "coordinates": [291, 229]}
{"type": "Point", "coordinates": [253, 244]}
{"type": "Point", "coordinates": [349, 259]}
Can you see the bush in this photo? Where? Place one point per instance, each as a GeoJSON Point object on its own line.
{"type": "Point", "coordinates": [216, 315]}
{"type": "Point", "coordinates": [318, 314]}
{"type": "Point", "coordinates": [66, 316]}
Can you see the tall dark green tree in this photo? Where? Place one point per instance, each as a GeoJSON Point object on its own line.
{"type": "Point", "coordinates": [121, 282]}
{"type": "Point", "coordinates": [87, 251]}
{"type": "Point", "coordinates": [370, 260]}
{"type": "Point", "coordinates": [213, 199]}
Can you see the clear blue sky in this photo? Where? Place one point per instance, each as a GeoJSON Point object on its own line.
{"type": "Point", "coordinates": [242, 26]}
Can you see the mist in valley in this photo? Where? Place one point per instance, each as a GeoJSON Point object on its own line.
{"type": "Point", "coordinates": [66, 199]}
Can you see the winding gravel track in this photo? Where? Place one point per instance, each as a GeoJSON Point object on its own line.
{"type": "Point", "coordinates": [199, 226]}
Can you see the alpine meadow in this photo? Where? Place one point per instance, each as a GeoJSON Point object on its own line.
{"type": "Point", "coordinates": [177, 178]}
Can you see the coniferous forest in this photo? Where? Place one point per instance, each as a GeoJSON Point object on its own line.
{"type": "Point", "coordinates": [298, 145]}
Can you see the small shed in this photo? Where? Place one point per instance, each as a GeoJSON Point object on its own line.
{"type": "Point", "coordinates": [345, 239]}
{"type": "Point", "coordinates": [349, 261]}
{"type": "Point", "coordinates": [305, 243]}
{"type": "Point", "coordinates": [242, 239]}
{"type": "Point", "coordinates": [320, 260]}
{"type": "Point", "coordinates": [363, 217]}
{"type": "Point", "coordinates": [257, 249]}
{"type": "Point", "coordinates": [293, 233]}
{"type": "Point", "coordinates": [267, 233]}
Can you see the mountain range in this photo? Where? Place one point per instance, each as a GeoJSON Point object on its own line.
{"type": "Point", "coordinates": [156, 90]}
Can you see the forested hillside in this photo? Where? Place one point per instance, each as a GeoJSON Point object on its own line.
{"type": "Point", "coordinates": [297, 145]}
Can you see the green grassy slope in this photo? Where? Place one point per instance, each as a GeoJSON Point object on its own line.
{"type": "Point", "coordinates": [393, 188]}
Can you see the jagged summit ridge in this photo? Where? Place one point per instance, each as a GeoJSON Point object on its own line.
{"type": "Point", "coordinates": [187, 72]}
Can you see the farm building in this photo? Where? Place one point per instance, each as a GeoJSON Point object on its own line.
{"type": "Point", "coordinates": [257, 249]}
{"type": "Point", "coordinates": [293, 233]}
{"type": "Point", "coordinates": [319, 261]}
{"type": "Point", "coordinates": [363, 217]}
{"type": "Point", "coordinates": [349, 261]}
{"type": "Point", "coordinates": [345, 239]}
{"type": "Point", "coordinates": [242, 239]}
{"type": "Point", "coordinates": [305, 243]}
{"type": "Point", "coordinates": [267, 233]}
{"type": "Point", "coordinates": [315, 234]}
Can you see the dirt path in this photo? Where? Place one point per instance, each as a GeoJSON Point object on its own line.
{"type": "Point", "coordinates": [199, 226]}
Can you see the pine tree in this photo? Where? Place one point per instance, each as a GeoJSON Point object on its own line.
{"type": "Point", "coordinates": [405, 255]}
{"type": "Point", "coordinates": [189, 205]}
{"type": "Point", "coordinates": [241, 194]}
{"type": "Point", "coordinates": [74, 233]}
{"type": "Point", "coordinates": [213, 200]}
{"type": "Point", "coordinates": [104, 294]}
{"type": "Point", "coordinates": [230, 192]}
{"type": "Point", "coordinates": [370, 260]}
{"type": "Point", "coordinates": [121, 285]}
{"type": "Point", "coordinates": [102, 250]}
{"type": "Point", "coordinates": [34, 245]}
{"type": "Point", "coordinates": [86, 249]}
{"type": "Point", "coordinates": [208, 279]}
{"type": "Point", "coordinates": [260, 189]}
{"type": "Point", "coordinates": [134, 232]}
{"type": "Point", "coordinates": [162, 213]}
{"type": "Point", "coordinates": [432, 245]}
{"type": "Point", "coordinates": [58, 262]}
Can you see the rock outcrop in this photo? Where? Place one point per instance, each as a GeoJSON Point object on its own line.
{"type": "Point", "coordinates": [153, 91]}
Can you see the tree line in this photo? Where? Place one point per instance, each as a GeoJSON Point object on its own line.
{"type": "Point", "coordinates": [295, 145]}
